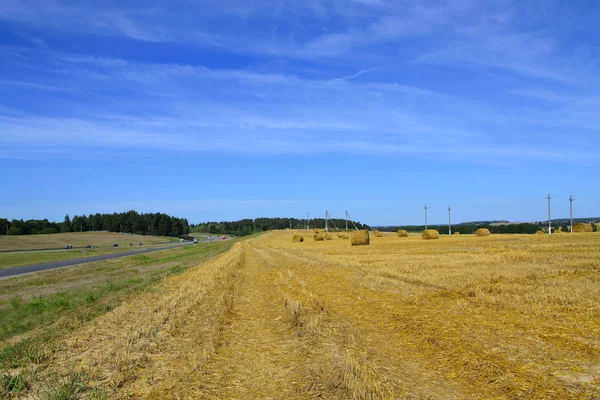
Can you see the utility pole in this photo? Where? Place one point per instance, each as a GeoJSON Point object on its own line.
{"type": "Point", "coordinates": [350, 218]}
{"type": "Point", "coordinates": [571, 211]}
{"type": "Point", "coordinates": [425, 216]}
{"type": "Point", "coordinates": [449, 224]}
{"type": "Point", "coordinates": [307, 224]}
{"type": "Point", "coordinates": [549, 223]}
{"type": "Point", "coordinates": [326, 214]}
{"type": "Point", "coordinates": [346, 220]}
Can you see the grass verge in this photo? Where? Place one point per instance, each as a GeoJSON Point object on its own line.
{"type": "Point", "coordinates": [37, 309]}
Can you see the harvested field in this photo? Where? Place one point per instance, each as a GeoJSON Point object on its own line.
{"type": "Point", "coordinates": [76, 239]}
{"type": "Point", "coordinates": [513, 316]}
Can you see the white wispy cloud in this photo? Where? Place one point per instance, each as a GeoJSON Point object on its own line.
{"type": "Point", "coordinates": [268, 107]}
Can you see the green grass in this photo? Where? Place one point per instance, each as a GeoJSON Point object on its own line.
{"type": "Point", "coordinates": [17, 259]}
{"type": "Point", "coordinates": [12, 384]}
{"type": "Point", "coordinates": [37, 309]}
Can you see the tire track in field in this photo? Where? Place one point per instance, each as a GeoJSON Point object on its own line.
{"type": "Point", "coordinates": [260, 356]}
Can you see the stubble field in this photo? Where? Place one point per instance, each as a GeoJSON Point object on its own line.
{"type": "Point", "coordinates": [504, 316]}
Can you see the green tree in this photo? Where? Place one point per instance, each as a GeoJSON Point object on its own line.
{"type": "Point", "coordinates": [66, 225]}
{"type": "Point", "coordinates": [14, 230]}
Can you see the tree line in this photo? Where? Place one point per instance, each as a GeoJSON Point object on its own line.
{"type": "Point", "coordinates": [248, 226]}
{"type": "Point", "coordinates": [468, 228]}
{"type": "Point", "coordinates": [129, 222]}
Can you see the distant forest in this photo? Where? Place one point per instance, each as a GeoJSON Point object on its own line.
{"type": "Point", "coordinates": [160, 224]}
{"type": "Point", "coordinates": [248, 226]}
{"type": "Point", "coordinates": [128, 222]}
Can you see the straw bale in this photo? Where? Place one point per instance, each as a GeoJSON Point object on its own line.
{"type": "Point", "coordinates": [402, 233]}
{"type": "Point", "coordinates": [456, 233]}
{"type": "Point", "coordinates": [377, 233]}
{"type": "Point", "coordinates": [298, 238]}
{"type": "Point", "coordinates": [540, 232]}
{"type": "Point", "coordinates": [582, 227]}
{"type": "Point", "coordinates": [344, 236]}
{"type": "Point", "coordinates": [318, 237]}
{"type": "Point", "coordinates": [482, 232]}
{"type": "Point", "coordinates": [360, 238]}
{"type": "Point", "coordinates": [430, 234]}
{"type": "Point", "coordinates": [328, 236]}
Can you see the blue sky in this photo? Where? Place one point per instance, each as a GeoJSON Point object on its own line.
{"type": "Point", "coordinates": [240, 109]}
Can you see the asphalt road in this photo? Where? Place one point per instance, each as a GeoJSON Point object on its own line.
{"type": "Point", "coordinates": [67, 263]}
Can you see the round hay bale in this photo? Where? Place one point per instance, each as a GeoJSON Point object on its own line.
{"type": "Point", "coordinates": [456, 233]}
{"type": "Point", "coordinates": [315, 230]}
{"type": "Point", "coordinates": [318, 237]}
{"type": "Point", "coordinates": [582, 227]}
{"type": "Point", "coordinates": [377, 233]}
{"type": "Point", "coordinates": [344, 236]}
{"type": "Point", "coordinates": [402, 233]}
{"type": "Point", "coordinates": [540, 232]}
{"type": "Point", "coordinates": [298, 238]}
{"type": "Point", "coordinates": [328, 236]}
{"type": "Point", "coordinates": [558, 231]}
{"type": "Point", "coordinates": [429, 234]}
{"type": "Point", "coordinates": [482, 232]}
{"type": "Point", "coordinates": [360, 238]}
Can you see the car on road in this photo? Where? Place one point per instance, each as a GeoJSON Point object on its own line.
{"type": "Point", "coordinates": [88, 246]}
{"type": "Point", "coordinates": [115, 245]}
{"type": "Point", "coordinates": [68, 246]}
{"type": "Point", "coordinates": [139, 244]}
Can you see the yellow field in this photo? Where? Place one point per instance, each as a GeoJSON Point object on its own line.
{"type": "Point", "coordinates": [456, 318]}
{"type": "Point", "coordinates": [76, 239]}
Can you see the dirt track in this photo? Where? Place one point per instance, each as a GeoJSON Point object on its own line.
{"type": "Point", "coordinates": [274, 320]}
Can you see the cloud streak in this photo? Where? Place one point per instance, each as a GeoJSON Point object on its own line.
{"type": "Point", "coordinates": [445, 83]}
